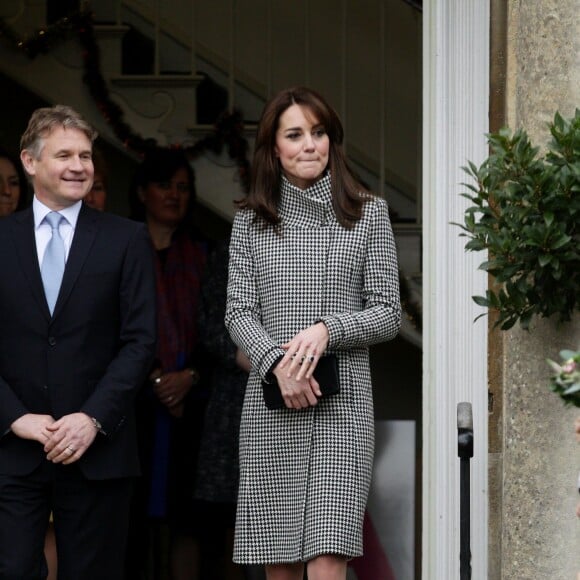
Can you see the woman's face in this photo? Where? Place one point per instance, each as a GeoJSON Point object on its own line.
{"type": "Point", "coordinates": [97, 196]}
{"type": "Point", "coordinates": [302, 146]}
{"type": "Point", "coordinates": [9, 187]}
{"type": "Point", "coordinates": [166, 202]}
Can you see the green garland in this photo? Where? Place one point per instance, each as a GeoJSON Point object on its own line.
{"type": "Point", "coordinates": [44, 39]}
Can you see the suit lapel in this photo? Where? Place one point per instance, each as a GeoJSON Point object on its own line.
{"type": "Point", "coordinates": [25, 242]}
{"type": "Point", "coordinates": [84, 236]}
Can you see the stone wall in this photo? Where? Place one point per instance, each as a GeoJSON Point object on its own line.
{"type": "Point", "coordinates": [534, 459]}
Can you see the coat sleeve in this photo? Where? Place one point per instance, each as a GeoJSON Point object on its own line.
{"type": "Point", "coordinates": [116, 390]}
{"type": "Point", "coordinates": [11, 408]}
{"type": "Point", "coordinates": [380, 319]}
{"type": "Point", "coordinates": [243, 312]}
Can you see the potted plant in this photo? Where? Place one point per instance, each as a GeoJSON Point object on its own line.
{"type": "Point", "coordinates": [526, 214]}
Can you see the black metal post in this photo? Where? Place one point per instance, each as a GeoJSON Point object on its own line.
{"type": "Point", "coordinates": [465, 452]}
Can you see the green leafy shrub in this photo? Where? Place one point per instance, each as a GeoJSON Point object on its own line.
{"type": "Point", "coordinates": [526, 214]}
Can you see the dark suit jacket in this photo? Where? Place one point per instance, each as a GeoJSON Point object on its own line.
{"type": "Point", "coordinates": [92, 354]}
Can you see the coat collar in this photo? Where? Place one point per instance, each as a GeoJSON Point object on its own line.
{"type": "Point", "coordinates": [311, 206]}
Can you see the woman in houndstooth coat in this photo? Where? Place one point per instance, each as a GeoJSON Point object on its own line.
{"type": "Point", "coordinates": [312, 271]}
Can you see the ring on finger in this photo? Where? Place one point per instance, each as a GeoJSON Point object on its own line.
{"type": "Point", "coordinates": [70, 450]}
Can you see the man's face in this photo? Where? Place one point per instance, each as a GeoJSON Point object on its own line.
{"type": "Point", "coordinates": [64, 173]}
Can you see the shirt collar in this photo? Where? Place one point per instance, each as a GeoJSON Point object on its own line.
{"type": "Point", "coordinates": [70, 213]}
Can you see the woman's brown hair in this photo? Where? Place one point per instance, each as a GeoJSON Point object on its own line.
{"type": "Point", "coordinates": [347, 192]}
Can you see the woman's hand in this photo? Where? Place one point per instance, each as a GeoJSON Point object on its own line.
{"type": "Point", "coordinates": [297, 394]}
{"type": "Point", "coordinates": [171, 388]}
{"type": "Point", "coordinates": [303, 352]}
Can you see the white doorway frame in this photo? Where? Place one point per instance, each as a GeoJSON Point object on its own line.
{"type": "Point", "coordinates": [455, 120]}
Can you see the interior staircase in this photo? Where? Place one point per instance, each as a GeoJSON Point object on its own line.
{"type": "Point", "coordinates": [171, 78]}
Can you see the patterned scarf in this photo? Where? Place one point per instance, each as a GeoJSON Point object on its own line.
{"type": "Point", "coordinates": [178, 285]}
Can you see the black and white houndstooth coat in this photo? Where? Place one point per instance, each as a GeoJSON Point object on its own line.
{"type": "Point", "coordinates": [305, 474]}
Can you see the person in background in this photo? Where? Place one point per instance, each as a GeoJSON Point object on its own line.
{"type": "Point", "coordinates": [171, 406]}
{"type": "Point", "coordinates": [312, 272]}
{"type": "Point", "coordinates": [218, 473]}
{"type": "Point", "coordinates": [67, 427]}
{"type": "Point", "coordinates": [13, 184]}
{"type": "Point", "coordinates": [97, 196]}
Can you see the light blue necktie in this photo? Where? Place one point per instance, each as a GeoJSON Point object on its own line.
{"type": "Point", "coordinates": [52, 267]}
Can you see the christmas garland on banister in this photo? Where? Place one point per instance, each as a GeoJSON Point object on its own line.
{"type": "Point", "coordinates": [43, 40]}
{"type": "Point", "coordinates": [228, 130]}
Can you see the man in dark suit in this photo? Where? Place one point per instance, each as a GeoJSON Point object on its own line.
{"type": "Point", "coordinates": [77, 336]}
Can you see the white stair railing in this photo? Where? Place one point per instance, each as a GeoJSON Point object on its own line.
{"type": "Point", "coordinates": [180, 23]}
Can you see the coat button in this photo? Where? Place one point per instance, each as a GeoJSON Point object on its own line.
{"type": "Point", "coordinates": [51, 340]}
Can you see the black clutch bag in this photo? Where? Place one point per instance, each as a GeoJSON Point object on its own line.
{"type": "Point", "coordinates": [326, 373]}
